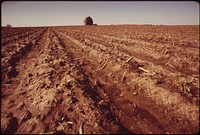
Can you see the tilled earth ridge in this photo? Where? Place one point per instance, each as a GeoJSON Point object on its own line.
{"type": "Point", "coordinates": [100, 79]}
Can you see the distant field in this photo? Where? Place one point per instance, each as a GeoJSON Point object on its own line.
{"type": "Point", "coordinates": [100, 79]}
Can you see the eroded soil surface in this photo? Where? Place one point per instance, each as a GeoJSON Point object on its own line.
{"type": "Point", "coordinates": [123, 79]}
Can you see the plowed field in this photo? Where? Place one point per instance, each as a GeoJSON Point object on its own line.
{"type": "Point", "coordinates": [118, 79]}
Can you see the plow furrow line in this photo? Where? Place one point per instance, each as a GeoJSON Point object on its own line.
{"type": "Point", "coordinates": [150, 93]}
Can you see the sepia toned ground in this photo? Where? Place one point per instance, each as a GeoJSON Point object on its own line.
{"type": "Point", "coordinates": [119, 79]}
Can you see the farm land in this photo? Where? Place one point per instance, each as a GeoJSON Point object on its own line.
{"type": "Point", "coordinates": [117, 79]}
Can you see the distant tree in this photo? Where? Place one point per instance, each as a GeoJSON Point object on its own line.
{"type": "Point", "coordinates": [8, 25]}
{"type": "Point", "coordinates": [88, 21]}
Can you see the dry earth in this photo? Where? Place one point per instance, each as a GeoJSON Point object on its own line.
{"type": "Point", "coordinates": [123, 79]}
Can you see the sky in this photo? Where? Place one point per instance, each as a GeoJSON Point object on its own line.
{"type": "Point", "coordinates": [62, 13]}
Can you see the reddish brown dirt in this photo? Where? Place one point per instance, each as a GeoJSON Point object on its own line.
{"type": "Point", "coordinates": [123, 79]}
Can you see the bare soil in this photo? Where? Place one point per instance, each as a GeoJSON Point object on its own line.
{"type": "Point", "coordinates": [123, 79]}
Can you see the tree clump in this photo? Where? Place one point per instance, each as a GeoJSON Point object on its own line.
{"type": "Point", "coordinates": [88, 21]}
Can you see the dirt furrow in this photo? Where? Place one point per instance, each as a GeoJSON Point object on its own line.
{"type": "Point", "coordinates": [15, 94]}
{"type": "Point", "coordinates": [138, 121]}
{"type": "Point", "coordinates": [9, 32]}
{"type": "Point", "coordinates": [167, 78]}
{"type": "Point", "coordinates": [149, 92]}
{"type": "Point", "coordinates": [182, 36]}
{"type": "Point", "coordinates": [11, 48]}
{"type": "Point", "coordinates": [105, 117]}
{"type": "Point", "coordinates": [166, 55]}
{"type": "Point", "coordinates": [54, 101]}
{"type": "Point", "coordinates": [23, 47]}
{"type": "Point", "coordinates": [11, 39]}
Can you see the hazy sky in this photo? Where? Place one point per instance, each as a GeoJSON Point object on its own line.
{"type": "Point", "coordinates": [103, 13]}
